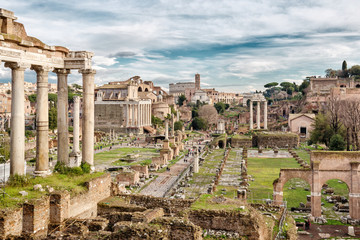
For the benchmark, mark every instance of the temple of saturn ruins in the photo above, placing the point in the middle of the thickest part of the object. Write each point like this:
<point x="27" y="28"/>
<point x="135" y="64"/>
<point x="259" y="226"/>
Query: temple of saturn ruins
<point x="20" y="52"/>
<point x="258" y="97"/>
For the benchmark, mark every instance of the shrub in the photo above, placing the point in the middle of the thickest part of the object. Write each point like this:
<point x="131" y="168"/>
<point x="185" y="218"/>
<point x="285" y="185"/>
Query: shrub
<point x="19" y="180"/>
<point x="337" y="143"/>
<point x="63" y="169"/>
<point x="86" y="168"/>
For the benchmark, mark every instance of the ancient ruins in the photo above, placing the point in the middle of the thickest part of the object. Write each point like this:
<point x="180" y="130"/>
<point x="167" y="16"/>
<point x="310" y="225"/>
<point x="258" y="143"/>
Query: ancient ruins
<point x="20" y="52"/>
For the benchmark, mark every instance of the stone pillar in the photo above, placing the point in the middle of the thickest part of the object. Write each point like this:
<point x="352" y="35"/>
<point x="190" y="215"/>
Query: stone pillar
<point x="62" y="116"/>
<point x="133" y="115"/>
<point x="196" y="163"/>
<point x="172" y="125"/>
<point x="88" y="117"/>
<point x="316" y="191"/>
<point x="251" y="115"/>
<point x="265" y="115"/>
<point x="76" y="128"/>
<point x="177" y="115"/>
<point x="17" y="136"/>
<point x="127" y="115"/>
<point x="166" y="129"/>
<point x="138" y="115"/>
<point x="354" y="193"/>
<point x="258" y="115"/>
<point x="42" y="121"/>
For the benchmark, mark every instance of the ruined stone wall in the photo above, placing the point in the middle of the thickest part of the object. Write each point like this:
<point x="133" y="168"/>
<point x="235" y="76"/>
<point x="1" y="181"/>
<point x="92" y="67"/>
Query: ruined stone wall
<point x="11" y="222"/>
<point x="275" y="139"/>
<point x="36" y="216"/>
<point x="249" y="224"/>
<point x="237" y="142"/>
<point x="169" y="205"/>
<point x="85" y="205"/>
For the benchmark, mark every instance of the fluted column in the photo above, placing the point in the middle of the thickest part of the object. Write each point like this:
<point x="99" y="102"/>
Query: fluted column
<point x="127" y="115"/>
<point x="17" y="136"/>
<point x="265" y="115"/>
<point x="62" y="116"/>
<point x="76" y="127"/>
<point x="42" y="121"/>
<point x="88" y="117"/>
<point x="172" y="125"/>
<point x="251" y="115"/>
<point x="258" y="115"/>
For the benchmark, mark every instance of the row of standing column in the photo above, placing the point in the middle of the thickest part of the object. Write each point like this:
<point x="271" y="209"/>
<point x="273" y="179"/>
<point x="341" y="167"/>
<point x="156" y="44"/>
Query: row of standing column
<point x="257" y="115"/>
<point x="17" y="136"/>
<point x="138" y="115"/>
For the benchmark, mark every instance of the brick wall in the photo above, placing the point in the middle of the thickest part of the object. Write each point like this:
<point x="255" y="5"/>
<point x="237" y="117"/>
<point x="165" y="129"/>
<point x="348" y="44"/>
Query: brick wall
<point x="11" y="222"/>
<point x="85" y="205"/>
<point x="36" y="216"/>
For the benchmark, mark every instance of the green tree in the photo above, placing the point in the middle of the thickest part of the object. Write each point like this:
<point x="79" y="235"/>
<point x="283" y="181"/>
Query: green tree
<point x="330" y="73"/>
<point x="181" y="99"/>
<point x="355" y="70"/>
<point x="53" y="118"/>
<point x="322" y="131"/>
<point x="199" y="124"/>
<point x="305" y="84"/>
<point x="344" y="66"/>
<point x="178" y="125"/>
<point x="337" y="143"/>
<point x="270" y="85"/>
<point x="220" y="107"/>
<point x="52" y="97"/>
<point x="32" y="98"/>
<point x="155" y="121"/>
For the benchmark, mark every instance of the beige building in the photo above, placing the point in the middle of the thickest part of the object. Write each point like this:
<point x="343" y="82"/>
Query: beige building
<point x="301" y="124"/>
<point x="120" y="107"/>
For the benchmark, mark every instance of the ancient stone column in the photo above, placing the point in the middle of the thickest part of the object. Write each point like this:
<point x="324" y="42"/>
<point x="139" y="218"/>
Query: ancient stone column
<point x="354" y="193"/>
<point x="17" y="136"/>
<point x="88" y="117"/>
<point x="42" y="121"/>
<point x="258" y="115"/>
<point x="166" y="129"/>
<point x="172" y="125"/>
<point x="62" y="116"/>
<point x="265" y="115"/>
<point x="316" y="191"/>
<point x="196" y="163"/>
<point x="76" y="127"/>
<point x="177" y="115"/>
<point x="251" y="115"/>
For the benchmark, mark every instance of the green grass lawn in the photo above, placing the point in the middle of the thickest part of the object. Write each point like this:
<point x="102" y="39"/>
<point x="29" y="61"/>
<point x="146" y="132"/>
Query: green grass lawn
<point x="115" y="154"/>
<point x="73" y="184"/>
<point x="304" y="155"/>
<point x="265" y="171"/>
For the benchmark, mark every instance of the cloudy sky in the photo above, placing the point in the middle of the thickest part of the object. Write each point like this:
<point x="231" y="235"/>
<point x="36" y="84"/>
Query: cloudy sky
<point x="236" y="45"/>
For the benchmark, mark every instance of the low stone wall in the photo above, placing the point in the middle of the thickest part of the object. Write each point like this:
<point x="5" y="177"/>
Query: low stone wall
<point x="241" y="142"/>
<point x="275" y="140"/>
<point x="36" y="215"/>
<point x="169" y="205"/>
<point x="85" y="205"/>
<point x="249" y="223"/>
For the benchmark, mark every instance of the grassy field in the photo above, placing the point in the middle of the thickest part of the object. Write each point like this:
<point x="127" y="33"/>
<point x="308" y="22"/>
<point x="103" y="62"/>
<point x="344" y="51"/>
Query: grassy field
<point x="73" y="184"/>
<point x="304" y="155"/>
<point x="107" y="157"/>
<point x="265" y="171"/>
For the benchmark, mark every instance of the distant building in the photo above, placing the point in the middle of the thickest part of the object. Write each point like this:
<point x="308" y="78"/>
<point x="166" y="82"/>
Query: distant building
<point x="302" y="124"/>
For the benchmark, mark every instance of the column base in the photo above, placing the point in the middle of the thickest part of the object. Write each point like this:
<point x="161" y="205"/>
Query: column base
<point x="42" y="173"/>
<point x="74" y="159"/>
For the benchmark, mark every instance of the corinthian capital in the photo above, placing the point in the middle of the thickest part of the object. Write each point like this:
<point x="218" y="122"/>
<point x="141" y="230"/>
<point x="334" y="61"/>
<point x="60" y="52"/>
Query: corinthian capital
<point x="17" y="66"/>
<point x="87" y="71"/>
<point x="41" y="69"/>
<point x="61" y="71"/>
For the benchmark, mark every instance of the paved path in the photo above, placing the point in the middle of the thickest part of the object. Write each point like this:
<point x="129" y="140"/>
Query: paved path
<point x="231" y="174"/>
<point x="165" y="180"/>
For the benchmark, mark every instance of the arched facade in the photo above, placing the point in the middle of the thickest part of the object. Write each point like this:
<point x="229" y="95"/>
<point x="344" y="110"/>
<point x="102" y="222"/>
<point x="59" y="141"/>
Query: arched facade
<point x="325" y="166"/>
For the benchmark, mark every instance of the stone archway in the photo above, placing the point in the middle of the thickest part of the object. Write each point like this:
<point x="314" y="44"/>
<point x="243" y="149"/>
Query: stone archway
<point x="139" y="89"/>
<point x="325" y="166"/>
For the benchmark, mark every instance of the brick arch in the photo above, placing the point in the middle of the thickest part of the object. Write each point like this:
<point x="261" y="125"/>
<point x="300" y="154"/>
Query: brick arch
<point x="327" y="177"/>
<point x="326" y="165"/>
<point x="284" y="176"/>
